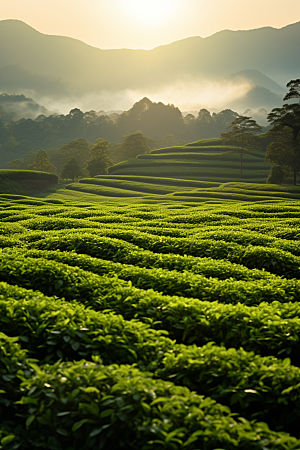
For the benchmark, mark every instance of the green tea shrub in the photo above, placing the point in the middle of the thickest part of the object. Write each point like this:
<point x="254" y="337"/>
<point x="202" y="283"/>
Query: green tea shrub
<point x="185" y="284"/>
<point x="194" y="321"/>
<point x="121" y="407"/>
<point x="265" y="389"/>
<point x="15" y="367"/>
<point x="49" y="328"/>
<point x="155" y="263"/>
<point x="56" y="278"/>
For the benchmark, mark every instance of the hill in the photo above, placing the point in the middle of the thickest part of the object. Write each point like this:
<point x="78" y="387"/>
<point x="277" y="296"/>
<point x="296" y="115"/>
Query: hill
<point x="207" y="160"/>
<point x="20" y="106"/>
<point x="66" y="66"/>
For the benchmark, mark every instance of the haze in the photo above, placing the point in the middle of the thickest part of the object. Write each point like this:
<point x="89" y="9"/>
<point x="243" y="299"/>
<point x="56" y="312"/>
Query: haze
<point x="144" y="24"/>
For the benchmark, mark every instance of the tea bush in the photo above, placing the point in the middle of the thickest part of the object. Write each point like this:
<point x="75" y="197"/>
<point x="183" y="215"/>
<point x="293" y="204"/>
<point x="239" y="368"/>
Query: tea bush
<point x="126" y="322"/>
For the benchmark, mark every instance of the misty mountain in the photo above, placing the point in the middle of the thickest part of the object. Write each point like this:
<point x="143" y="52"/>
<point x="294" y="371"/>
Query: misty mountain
<point x="257" y="97"/>
<point x="63" y="67"/>
<point x="22" y="107"/>
<point x="15" y="79"/>
<point x="256" y="78"/>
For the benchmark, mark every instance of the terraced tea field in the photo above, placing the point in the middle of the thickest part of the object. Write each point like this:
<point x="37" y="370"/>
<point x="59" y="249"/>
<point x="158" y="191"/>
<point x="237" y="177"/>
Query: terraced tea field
<point x="208" y="160"/>
<point x="159" y="189"/>
<point x="132" y="325"/>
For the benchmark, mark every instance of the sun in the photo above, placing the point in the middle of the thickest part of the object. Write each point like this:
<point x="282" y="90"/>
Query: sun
<point x="151" y="12"/>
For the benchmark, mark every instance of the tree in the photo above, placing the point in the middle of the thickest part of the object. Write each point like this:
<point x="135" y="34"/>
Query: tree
<point x="78" y="149"/>
<point x="278" y="175"/>
<point x="71" y="170"/>
<point x="99" y="161"/>
<point x="169" y="140"/>
<point x="42" y="163"/>
<point x="6" y="116"/>
<point x="134" y="144"/>
<point x="284" y="152"/>
<point x="283" y="119"/>
<point x="17" y="164"/>
<point x="153" y="119"/>
<point x="56" y="158"/>
<point x="241" y="135"/>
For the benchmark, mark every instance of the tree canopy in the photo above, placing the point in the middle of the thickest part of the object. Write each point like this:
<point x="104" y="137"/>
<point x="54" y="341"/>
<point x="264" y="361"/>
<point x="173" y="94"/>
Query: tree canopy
<point x="41" y="162"/>
<point x="134" y="144"/>
<point x="285" y="151"/>
<point x="71" y="170"/>
<point x="155" y="120"/>
<point x="100" y="160"/>
<point x="241" y="134"/>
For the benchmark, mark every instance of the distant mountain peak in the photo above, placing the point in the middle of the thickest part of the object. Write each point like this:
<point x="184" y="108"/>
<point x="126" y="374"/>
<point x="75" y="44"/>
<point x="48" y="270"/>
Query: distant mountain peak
<point x="66" y="67"/>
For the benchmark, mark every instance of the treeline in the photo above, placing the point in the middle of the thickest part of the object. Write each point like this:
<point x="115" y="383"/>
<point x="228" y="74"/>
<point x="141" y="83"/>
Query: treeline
<point x="82" y="158"/>
<point x="155" y="120"/>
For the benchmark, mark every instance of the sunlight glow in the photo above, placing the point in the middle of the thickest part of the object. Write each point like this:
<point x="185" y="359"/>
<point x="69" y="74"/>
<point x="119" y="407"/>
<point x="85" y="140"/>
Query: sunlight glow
<point x="151" y="11"/>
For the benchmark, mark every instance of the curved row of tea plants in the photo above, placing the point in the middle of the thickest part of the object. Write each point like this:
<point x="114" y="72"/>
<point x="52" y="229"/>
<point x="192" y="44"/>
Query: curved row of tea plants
<point x="146" y="326"/>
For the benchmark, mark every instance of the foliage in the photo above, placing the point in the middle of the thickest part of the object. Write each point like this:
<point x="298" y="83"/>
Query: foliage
<point x="71" y="170"/>
<point x="17" y="164"/>
<point x="41" y="162"/>
<point x="278" y="174"/>
<point x="99" y="161"/>
<point x="174" y="306"/>
<point x="286" y="152"/>
<point x="18" y="137"/>
<point x="241" y="134"/>
<point x="127" y="408"/>
<point x="134" y="144"/>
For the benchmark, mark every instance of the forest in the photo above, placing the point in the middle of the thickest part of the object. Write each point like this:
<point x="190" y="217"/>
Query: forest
<point x="154" y="120"/>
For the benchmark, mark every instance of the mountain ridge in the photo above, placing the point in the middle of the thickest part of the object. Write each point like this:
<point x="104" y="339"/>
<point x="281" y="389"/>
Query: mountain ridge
<point x="77" y="68"/>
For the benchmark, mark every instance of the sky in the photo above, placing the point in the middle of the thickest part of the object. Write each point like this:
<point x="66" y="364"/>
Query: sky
<point x="147" y="23"/>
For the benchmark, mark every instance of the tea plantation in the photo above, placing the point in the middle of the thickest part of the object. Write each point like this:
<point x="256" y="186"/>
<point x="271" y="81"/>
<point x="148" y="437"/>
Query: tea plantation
<point x="133" y="325"/>
<point x="207" y="160"/>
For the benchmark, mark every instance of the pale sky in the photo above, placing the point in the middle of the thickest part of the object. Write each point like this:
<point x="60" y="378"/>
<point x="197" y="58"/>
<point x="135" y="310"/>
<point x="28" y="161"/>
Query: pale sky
<point x="147" y="23"/>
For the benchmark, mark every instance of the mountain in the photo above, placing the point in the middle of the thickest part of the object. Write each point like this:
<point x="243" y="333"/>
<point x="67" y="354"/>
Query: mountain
<point x="257" y="97"/>
<point x="22" y="107"/>
<point x="256" y="78"/>
<point x="16" y="79"/>
<point x="57" y="66"/>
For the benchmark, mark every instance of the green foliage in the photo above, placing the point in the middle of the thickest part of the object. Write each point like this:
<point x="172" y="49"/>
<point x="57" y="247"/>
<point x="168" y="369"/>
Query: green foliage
<point x="17" y="164"/>
<point x="286" y="149"/>
<point x="185" y="319"/>
<point x="278" y="175"/>
<point x="29" y="175"/>
<point x="25" y="181"/>
<point x="99" y="158"/>
<point x="199" y="302"/>
<point x="134" y="144"/>
<point x="71" y="170"/>
<point x="241" y="134"/>
<point x="275" y="260"/>
<point x="94" y="188"/>
<point x="126" y="408"/>
<point x="41" y="162"/>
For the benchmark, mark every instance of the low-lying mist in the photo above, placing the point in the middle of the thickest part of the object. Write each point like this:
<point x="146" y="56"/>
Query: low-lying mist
<point x="187" y="94"/>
